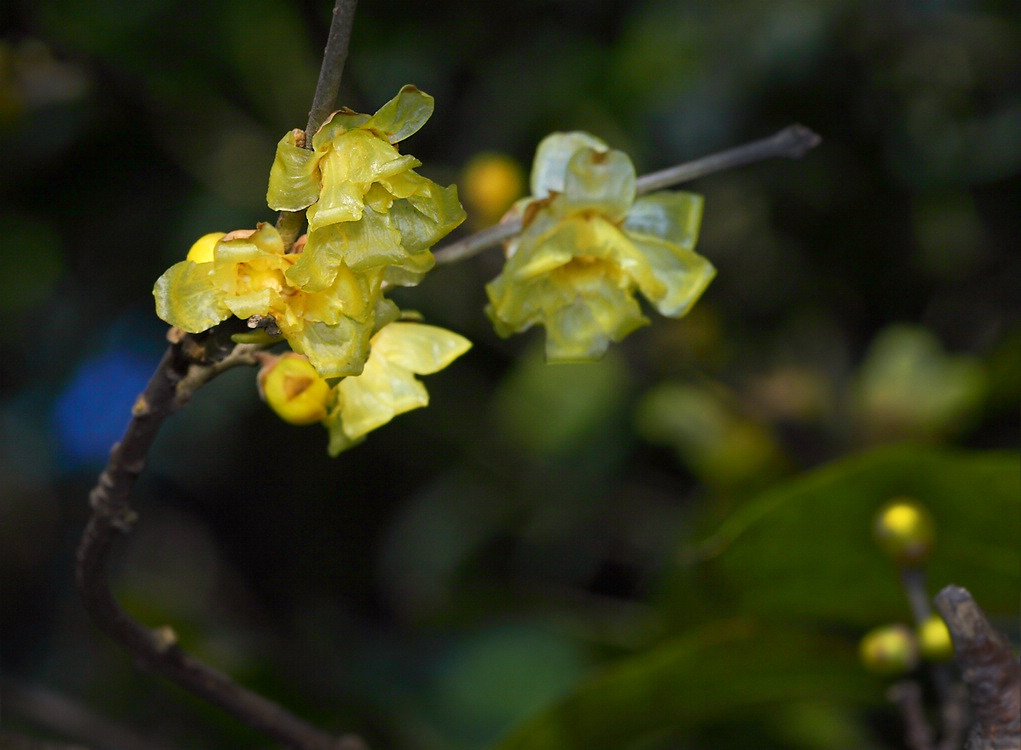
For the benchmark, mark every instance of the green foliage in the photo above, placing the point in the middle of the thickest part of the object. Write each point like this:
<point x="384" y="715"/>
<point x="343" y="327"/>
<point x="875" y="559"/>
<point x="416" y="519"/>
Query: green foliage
<point x="804" y="550"/>
<point x="726" y="669"/>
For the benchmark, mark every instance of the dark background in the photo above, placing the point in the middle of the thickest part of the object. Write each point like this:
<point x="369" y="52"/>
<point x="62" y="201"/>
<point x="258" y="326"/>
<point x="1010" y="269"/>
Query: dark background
<point x="473" y="560"/>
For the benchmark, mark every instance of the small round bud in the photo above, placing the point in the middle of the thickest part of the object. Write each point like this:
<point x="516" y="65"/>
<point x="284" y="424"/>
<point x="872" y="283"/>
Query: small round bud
<point x="294" y="390"/>
<point x="202" y="250"/>
<point x="889" y="650"/>
<point x="905" y="531"/>
<point x="934" y="640"/>
<point x="491" y="182"/>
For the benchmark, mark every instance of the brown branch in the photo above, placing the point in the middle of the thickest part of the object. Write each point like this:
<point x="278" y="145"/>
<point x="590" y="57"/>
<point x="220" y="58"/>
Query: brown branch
<point x="324" y="101"/>
<point x="792" y="142"/>
<point x="66" y="717"/>
<point x="188" y="363"/>
<point x="988" y="667"/>
<point x="907" y="696"/>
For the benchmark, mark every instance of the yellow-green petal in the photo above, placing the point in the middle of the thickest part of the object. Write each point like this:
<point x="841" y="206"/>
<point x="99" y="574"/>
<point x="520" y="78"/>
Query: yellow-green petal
<point x="551" y="158"/>
<point x="336" y="124"/>
<point x="403" y="115"/>
<point x="600" y="181"/>
<point x="671" y="216"/>
<point x="294" y="177"/>
<point x="334" y="350"/>
<point x="682" y="275"/>
<point x="419" y="348"/>
<point x="187" y="296"/>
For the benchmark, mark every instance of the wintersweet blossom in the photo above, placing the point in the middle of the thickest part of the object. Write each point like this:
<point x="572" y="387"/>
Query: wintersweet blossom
<point x="366" y="206"/>
<point x="588" y="244"/>
<point x="246" y="275"/>
<point x="387" y="385"/>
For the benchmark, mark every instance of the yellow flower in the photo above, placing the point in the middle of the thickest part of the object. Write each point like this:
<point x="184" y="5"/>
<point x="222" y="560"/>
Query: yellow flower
<point x="247" y="276"/>
<point x="367" y="208"/>
<point x="588" y="245"/>
<point x="387" y="385"/>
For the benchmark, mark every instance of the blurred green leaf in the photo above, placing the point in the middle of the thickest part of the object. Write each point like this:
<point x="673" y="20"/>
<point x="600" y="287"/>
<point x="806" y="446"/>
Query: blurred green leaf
<point x="726" y="669"/>
<point x="556" y="407"/>
<point x="804" y="549"/>
<point x="909" y="387"/>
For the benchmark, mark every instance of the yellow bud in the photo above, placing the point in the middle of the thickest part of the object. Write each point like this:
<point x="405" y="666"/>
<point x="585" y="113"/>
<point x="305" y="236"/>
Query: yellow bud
<point x="491" y="183"/>
<point x="202" y="250"/>
<point x="889" y="650"/>
<point x="294" y="390"/>
<point x="934" y="639"/>
<point x="905" y="531"/>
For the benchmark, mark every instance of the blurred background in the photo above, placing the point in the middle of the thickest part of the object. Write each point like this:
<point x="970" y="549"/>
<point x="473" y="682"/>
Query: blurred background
<point x="538" y="534"/>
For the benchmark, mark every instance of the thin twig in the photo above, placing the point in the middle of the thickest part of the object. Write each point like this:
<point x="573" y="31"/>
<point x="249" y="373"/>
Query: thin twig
<point x="907" y="695"/>
<point x="324" y="101"/>
<point x="69" y="718"/>
<point x="334" y="56"/>
<point x="792" y="142"/>
<point x="180" y="372"/>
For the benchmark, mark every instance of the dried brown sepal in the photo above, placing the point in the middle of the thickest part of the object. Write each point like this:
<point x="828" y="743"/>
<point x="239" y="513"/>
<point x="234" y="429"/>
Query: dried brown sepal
<point x="988" y="667"/>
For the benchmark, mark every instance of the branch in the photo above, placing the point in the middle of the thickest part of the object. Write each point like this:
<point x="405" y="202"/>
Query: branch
<point x="188" y="363"/>
<point x="792" y="142"/>
<point x="989" y="669"/>
<point x="324" y="101"/>
<point x="58" y="713"/>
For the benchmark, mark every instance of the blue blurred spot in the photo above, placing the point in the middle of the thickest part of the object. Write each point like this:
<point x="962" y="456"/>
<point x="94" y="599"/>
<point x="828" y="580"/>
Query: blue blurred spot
<point x="95" y="408"/>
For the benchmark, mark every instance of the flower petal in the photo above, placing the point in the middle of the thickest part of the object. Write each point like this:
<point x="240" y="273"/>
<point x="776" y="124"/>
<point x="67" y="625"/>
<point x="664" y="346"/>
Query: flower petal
<point x="188" y="296"/>
<point x="600" y="181"/>
<point x="334" y="350"/>
<point x="419" y="348"/>
<point x="294" y="176"/>
<point x="682" y="275"/>
<point x="671" y="216"/>
<point x="551" y="158"/>
<point x="403" y="115"/>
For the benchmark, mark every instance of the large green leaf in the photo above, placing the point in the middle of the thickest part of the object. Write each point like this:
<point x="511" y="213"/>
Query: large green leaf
<point x="725" y="670"/>
<point x="804" y="549"/>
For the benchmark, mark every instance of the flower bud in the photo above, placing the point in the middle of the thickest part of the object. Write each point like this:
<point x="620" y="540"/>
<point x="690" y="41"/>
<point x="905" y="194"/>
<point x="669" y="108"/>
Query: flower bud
<point x="934" y="640"/>
<point x="905" y="530"/>
<point x="202" y="250"/>
<point x="294" y="390"/>
<point x="889" y="650"/>
<point x="491" y="182"/>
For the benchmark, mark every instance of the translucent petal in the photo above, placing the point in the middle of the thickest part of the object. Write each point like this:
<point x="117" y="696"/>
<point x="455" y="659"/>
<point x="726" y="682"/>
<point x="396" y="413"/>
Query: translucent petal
<point x="551" y="158"/>
<point x="419" y="348"/>
<point x="427" y="216"/>
<point x="340" y="199"/>
<point x="671" y="216"/>
<point x="293" y="178"/>
<point x="336" y="125"/>
<point x="334" y="350"/>
<point x="403" y="115"/>
<point x="682" y="275"/>
<point x="367" y="399"/>
<point x="600" y="181"/>
<point x="366" y="158"/>
<point x="411" y="271"/>
<point x="247" y="305"/>
<point x="187" y="296"/>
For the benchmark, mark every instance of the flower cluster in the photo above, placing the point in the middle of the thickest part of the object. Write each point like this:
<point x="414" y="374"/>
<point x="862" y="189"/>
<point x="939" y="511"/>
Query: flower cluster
<point x="371" y="223"/>
<point x="588" y="244"/>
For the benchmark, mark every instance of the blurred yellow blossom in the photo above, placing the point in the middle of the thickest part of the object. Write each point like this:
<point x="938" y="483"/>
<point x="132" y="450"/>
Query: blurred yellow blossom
<point x="588" y="245"/>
